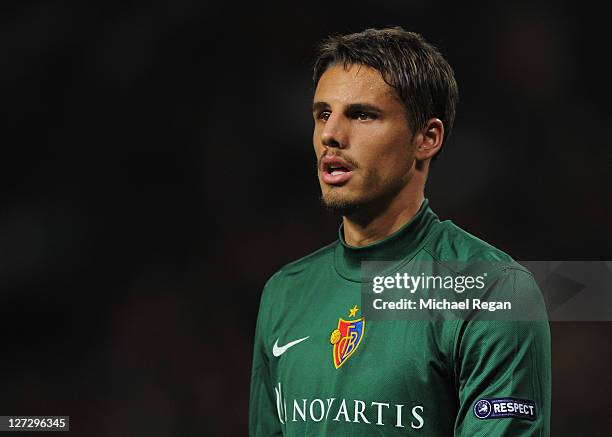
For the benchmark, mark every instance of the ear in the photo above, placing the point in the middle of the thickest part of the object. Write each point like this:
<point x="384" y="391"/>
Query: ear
<point x="429" y="140"/>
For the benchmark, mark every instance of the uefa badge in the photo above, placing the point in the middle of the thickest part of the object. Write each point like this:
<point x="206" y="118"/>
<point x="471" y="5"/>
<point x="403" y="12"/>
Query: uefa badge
<point x="347" y="337"/>
<point x="482" y="409"/>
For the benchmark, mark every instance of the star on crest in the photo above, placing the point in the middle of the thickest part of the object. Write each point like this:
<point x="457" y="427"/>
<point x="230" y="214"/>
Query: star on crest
<point x="353" y="311"/>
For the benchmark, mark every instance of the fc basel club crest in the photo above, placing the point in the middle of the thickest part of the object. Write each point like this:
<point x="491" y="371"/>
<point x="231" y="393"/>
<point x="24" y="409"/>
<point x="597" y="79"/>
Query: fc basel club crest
<point x="347" y="337"/>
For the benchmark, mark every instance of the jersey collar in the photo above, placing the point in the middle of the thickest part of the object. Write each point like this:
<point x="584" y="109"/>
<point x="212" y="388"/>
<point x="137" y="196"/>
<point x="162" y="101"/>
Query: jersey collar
<point x="397" y="247"/>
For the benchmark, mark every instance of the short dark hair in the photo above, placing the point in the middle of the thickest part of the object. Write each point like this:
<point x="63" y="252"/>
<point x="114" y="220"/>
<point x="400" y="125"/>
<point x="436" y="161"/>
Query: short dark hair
<point x="421" y="77"/>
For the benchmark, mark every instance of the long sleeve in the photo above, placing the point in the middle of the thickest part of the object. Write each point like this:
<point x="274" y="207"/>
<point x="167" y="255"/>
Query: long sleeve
<point x="503" y="369"/>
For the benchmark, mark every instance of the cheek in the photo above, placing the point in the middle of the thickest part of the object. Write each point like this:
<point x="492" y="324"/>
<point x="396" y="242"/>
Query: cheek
<point x="389" y="151"/>
<point x="389" y="160"/>
<point x="399" y="149"/>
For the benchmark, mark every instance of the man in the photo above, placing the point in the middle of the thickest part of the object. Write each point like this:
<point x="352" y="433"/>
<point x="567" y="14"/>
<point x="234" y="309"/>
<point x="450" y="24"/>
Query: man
<point x="383" y="105"/>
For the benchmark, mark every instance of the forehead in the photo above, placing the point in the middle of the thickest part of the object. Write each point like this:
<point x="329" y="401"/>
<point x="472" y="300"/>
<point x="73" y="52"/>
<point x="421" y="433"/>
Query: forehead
<point x="357" y="83"/>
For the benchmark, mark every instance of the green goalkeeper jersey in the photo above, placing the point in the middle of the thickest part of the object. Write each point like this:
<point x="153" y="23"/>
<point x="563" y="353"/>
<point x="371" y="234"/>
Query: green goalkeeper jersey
<point x="320" y="368"/>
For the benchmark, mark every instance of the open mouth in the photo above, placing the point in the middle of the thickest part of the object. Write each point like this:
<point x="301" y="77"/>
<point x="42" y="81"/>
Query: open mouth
<point x="335" y="172"/>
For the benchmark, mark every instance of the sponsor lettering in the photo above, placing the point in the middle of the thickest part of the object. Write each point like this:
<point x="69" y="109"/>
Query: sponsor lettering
<point x="348" y="410"/>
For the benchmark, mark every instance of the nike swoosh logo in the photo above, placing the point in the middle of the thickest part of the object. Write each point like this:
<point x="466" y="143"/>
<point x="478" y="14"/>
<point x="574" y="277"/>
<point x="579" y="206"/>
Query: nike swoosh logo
<point x="277" y="350"/>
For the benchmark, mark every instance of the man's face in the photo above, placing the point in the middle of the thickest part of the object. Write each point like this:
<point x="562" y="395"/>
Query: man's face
<point x="361" y="137"/>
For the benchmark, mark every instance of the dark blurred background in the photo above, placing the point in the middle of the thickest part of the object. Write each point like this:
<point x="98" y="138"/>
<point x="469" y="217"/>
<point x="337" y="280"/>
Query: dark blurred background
<point x="157" y="168"/>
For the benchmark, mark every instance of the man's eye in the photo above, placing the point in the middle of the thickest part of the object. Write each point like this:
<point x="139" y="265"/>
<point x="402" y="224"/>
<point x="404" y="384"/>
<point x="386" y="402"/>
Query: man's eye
<point x="324" y="115"/>
<point x="363" y="116"/>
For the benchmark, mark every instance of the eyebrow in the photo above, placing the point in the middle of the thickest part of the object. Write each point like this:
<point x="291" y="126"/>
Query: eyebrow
<point x="353" y="107"/>
<point x="319" y="106"/>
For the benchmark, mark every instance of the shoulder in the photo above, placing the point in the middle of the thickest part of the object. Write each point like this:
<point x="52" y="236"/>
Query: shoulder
<point x="312" y="260"/>
<point x="464" y="253"/>
<point x="288" y="282"/>
<point x="316" y="260"/>
<point x="452" y="243"/>
<point x="506" y="279"/>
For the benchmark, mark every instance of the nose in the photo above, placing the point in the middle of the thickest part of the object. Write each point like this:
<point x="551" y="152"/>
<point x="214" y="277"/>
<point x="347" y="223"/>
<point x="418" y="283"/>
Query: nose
<point x="334" y="133"/>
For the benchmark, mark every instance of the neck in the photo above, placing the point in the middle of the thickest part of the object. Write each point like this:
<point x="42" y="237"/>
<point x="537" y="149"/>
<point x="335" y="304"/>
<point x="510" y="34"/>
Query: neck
<point x="360" y="231"/>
